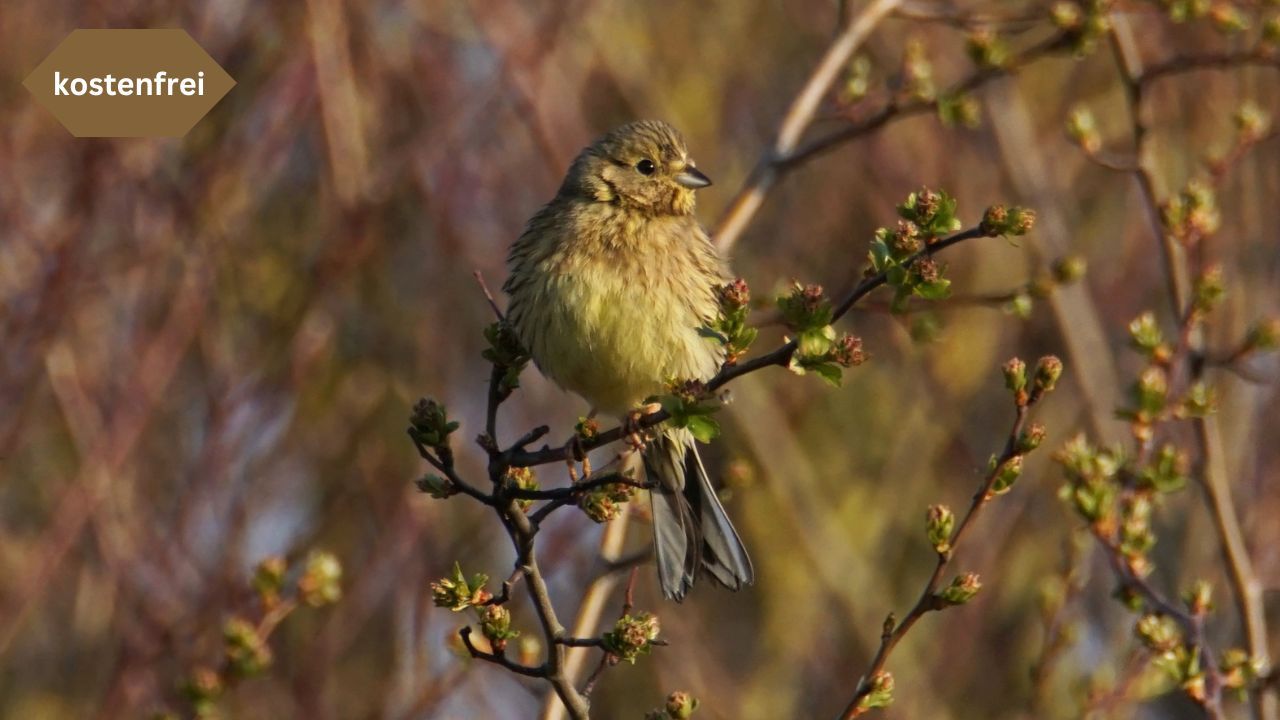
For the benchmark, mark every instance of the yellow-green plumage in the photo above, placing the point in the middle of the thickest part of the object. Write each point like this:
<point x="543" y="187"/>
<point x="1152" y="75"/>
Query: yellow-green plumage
<point x="610" y="284"/>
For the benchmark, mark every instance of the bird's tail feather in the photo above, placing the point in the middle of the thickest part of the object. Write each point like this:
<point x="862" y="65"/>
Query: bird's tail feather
<point x="690" y="527"/>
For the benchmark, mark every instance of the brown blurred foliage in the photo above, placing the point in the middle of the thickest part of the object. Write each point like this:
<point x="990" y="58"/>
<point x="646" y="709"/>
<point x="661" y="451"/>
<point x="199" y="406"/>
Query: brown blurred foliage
<point x="210" y="346"/>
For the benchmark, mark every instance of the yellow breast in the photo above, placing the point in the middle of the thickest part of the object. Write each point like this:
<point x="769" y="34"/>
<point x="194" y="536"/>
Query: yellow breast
<point x="613" y="321"/>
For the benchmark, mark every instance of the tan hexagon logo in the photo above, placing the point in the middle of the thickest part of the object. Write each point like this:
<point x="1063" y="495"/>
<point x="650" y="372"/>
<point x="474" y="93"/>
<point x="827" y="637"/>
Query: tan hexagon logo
<point x="128" y="83"/>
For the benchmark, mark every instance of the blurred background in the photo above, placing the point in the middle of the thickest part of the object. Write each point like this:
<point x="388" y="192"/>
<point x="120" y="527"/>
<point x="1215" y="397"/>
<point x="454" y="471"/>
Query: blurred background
<point x="210" y="346"/>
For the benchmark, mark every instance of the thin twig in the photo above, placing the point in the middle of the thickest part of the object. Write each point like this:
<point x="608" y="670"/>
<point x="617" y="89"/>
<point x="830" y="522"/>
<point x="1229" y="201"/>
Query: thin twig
<point x="929" y="599"/>
<point x="953" y="17"/>
<point x="450" y="473"/>
<point x="900" y="110"/>
<point x="488" y="296"/>
<point x="499" y="658"/>
<point x="1215" y="61"/>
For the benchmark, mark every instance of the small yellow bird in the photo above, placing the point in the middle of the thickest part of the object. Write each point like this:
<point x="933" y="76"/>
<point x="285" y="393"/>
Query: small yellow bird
<point x="610" y="285"/>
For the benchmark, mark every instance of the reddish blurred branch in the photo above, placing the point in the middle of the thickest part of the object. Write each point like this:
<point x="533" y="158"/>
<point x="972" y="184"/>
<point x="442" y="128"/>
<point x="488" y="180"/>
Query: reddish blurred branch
<point x="797" y="119"/>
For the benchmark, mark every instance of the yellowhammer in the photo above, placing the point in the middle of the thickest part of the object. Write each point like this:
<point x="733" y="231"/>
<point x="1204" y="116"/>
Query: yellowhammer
<point x="610" y="284"/>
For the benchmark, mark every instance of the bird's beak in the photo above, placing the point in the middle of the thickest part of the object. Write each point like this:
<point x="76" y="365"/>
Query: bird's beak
<point x="693" y="178"/>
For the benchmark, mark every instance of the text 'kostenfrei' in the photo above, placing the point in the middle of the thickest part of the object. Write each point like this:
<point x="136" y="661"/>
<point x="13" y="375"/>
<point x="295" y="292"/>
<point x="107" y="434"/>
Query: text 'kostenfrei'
<point x="161" y="85"/>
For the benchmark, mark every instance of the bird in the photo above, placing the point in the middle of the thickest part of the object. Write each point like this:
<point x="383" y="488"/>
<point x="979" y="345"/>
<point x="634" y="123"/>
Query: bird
<point x="611" y="286"/>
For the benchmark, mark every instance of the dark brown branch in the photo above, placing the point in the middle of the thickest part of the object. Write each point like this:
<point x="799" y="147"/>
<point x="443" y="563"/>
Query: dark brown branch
<point x="449" y="472"/>
<point x="499" y="658"/>
<point x="778" y="357"/>
<point x="1215" y="61"/>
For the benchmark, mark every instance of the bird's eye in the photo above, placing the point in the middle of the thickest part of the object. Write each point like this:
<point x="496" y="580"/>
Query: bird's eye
<point x="645" y="167"/>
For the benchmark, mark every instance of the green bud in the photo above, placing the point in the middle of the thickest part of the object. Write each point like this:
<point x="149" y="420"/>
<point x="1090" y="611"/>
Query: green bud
<point x="880" y="693"/>
<point x="999" y="220"/>
<point x="1015" y="375"/>
<point x="524" y="479"/>
<point x="805" y="308"/>
<point x="1158" y="633"/>
<point x="1066" y="15"/>
<point x="1239" y="670"/>
<point x="457" y="594"/>
<point x="1006" y="475"/>
<point x="632" y="636"/>
<point x="587" y="428"/>
<point x="959" y="110"/>
<point x="857" y="80"/>
<point x="917" y="72"/>
<point x="1271" y="31"/>
<point x="1264" y="335"/>
<point x="961" y="590"/>
<point x="202" y="688"/>
<point x="1199" y="401"/>
<point x="986" y="49"/>
<point x="246" y="652"/>
<point x="1146" y="334"/>
<point x="321" y="581"/>
<point x="848" y="351"/>
<point x="506" y="354"/>
<point x="905" y="241"/>
<point x="1020" y="306"/>
<point x="1031" y="438"/>
<point x="1252" y="122"/>
<point x="495" y="625"/>
<point x="993" y="219"/>
<point x="1184" y="10"/>
<point x="734" y="296"/>
<point x="1228" y="18"/>
<point x="430" y="424"/>
<point x="1167" y="471"/>
<point x="268" y="579"/>
<point x="1069" y="269"/>
<point x="605" y="503"/>
<point x="1083" y="130"/>
<point x="1150" y="390"/>
<point x="1209" y="289"/>
<point x="1021" y="221"/>
<point x="933" y="212"/>
<point x="1199" y="598"/>
<point x="681" y="705"/>
<point x="940" y="522"/>
<point x="1048" y="370"/>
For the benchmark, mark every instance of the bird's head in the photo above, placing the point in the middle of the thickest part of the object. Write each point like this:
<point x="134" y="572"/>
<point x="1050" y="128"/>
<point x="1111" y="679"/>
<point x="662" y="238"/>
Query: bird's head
<point x="643" y="166"/>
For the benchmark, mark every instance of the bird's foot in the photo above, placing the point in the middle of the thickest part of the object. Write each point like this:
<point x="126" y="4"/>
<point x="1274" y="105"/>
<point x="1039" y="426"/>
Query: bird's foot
<point x="575" y="454"/>
<point x="632" y="430"/>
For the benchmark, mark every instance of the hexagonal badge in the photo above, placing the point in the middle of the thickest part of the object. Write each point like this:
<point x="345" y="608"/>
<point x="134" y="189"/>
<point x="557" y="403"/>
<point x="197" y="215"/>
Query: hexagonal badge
<point x="128" y="83"/>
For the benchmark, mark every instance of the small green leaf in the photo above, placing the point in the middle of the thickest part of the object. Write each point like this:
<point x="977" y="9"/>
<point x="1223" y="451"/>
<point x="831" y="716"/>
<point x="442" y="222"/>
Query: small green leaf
<point x="828" y="372"/>
<point x="939" y="289"/>
<point x="704" y="428"/>
<point x="816" y="342"/>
